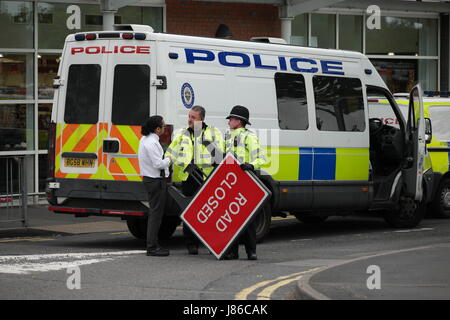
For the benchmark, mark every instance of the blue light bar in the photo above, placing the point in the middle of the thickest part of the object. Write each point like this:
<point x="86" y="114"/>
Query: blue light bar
<point x="140" y="36"/>
<point x="80" y="37"/>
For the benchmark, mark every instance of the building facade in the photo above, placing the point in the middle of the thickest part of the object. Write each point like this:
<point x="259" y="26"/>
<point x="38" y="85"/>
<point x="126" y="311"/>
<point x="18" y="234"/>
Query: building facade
<point x="406" y="40"/>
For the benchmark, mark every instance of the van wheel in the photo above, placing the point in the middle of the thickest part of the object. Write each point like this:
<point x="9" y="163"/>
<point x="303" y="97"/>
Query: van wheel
<point x="408" y="214"/>
<point x="441" y="202"/>
<point x="168" y="226"/>
<point x="138" y="227"/>
<point x="262" y="222"/>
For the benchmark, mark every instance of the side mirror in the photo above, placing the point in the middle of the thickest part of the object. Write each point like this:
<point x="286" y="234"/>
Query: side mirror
<point x="428" y="130"/>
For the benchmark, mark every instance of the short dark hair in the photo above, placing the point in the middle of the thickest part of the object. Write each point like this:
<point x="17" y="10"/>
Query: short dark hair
<point x="151" y="124"/>
<point x="201" y="110"/>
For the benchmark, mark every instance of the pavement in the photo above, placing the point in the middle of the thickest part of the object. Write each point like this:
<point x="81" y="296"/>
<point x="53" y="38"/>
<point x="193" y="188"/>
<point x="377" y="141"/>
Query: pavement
<point x="42" y="222"/>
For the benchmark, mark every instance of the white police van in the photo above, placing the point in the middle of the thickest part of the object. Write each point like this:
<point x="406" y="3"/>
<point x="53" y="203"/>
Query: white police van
<point x="308" y="106"/>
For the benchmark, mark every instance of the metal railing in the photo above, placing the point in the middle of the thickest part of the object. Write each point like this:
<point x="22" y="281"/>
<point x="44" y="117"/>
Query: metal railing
<point x="13" y="190"/>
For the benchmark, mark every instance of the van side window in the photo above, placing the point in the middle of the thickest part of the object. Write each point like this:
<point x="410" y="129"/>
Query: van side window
<point x="291" y="101"/>
<point x="440" y="116"/>
<point x="339" y="104"/>
<point x="131" y="95"/>
<point x="83" y="93"/>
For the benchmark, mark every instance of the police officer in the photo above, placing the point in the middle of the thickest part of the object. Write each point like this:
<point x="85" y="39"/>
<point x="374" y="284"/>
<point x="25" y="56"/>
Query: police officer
<point x="244" y="144"/>
<point x="195" y="151"/>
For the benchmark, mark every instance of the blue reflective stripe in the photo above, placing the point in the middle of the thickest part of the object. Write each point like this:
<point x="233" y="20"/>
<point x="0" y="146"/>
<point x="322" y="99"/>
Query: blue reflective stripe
<point x="306" y="163"/>
<point x="324" y="164"/>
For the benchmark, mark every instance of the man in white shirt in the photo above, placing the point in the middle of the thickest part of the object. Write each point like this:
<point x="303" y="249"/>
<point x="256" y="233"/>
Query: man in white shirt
<point x="154" y="169"/>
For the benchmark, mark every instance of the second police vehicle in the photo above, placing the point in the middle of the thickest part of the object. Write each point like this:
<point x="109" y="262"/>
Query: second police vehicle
<point x="309" y="107"/>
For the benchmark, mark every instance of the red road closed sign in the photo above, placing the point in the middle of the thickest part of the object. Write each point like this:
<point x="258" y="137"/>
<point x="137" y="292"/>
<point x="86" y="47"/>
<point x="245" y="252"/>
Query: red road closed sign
<point x="224" y="205"/>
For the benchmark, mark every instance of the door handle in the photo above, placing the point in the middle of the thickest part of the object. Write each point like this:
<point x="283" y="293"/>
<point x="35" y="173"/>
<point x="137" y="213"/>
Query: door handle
<point x="111" y="146"/>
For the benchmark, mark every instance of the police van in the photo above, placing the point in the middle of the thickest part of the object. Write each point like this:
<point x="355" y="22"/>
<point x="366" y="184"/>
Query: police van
<point x="307" y="105"/>
<point x="437" y="113"/>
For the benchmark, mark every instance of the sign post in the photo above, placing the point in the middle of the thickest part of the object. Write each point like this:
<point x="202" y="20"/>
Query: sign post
<point x="224" y="205"/>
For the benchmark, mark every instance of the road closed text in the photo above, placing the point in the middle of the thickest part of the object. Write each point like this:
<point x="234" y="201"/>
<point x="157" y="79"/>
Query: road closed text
<point x="219" y="194"/>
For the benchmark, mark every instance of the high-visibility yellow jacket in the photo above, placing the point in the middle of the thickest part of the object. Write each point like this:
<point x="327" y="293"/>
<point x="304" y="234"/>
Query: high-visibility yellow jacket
<point x="203" y="148"/>
<point x="244" y="144"/>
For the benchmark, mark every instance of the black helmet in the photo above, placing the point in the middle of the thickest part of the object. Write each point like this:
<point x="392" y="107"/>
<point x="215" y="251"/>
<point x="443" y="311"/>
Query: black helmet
<point x="240" y="112"/>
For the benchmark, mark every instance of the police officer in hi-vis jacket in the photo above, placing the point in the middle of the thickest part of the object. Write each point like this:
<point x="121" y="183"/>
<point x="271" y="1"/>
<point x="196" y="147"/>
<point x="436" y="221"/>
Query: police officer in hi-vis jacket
<point x="245" y="146"/>
<point x="195" y="151"/>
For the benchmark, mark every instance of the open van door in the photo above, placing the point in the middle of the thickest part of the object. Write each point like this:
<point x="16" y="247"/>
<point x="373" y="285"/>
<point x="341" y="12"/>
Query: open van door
<point x="413" y="174"/>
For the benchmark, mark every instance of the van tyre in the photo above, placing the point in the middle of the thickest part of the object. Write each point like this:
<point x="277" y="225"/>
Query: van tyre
<point x="262" y="222"/>
<point x="138" y="227"/>
<point x="408" y="213"/>
<point x="441" y="202"/>
<point x="168" y="226"/>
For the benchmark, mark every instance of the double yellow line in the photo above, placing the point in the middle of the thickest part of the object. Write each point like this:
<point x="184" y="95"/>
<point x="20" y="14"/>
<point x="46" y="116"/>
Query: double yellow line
<point x="30" y="239"/>
<point x="271" y="285"/>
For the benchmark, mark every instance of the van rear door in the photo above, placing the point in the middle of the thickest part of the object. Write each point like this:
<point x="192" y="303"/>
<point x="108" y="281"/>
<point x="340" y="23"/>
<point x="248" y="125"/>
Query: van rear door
<point x="417" y="142"/>
<point x="80" y="101"/>
<point x="128" y="105"/>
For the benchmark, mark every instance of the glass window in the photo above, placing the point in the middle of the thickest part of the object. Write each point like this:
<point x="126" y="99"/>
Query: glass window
<point x="131" y="93"/>
<point x="440" y="118"/>
<point x="44" y="119"/>
<point x="47" y="70"/>
<point x="379" y="107"/>
<point x="65" y="19"/>
<point x="16" y="76"/>
<point x="339" y="104"/>
<point x="10" y="177"/>
<point x="427" y="74"/>
<point x="16" y="23"/>
<point x="404" y="36"/>
<point x="400" y="75"/>
<point x="350" y="32"/>
<point x="57" y="20"/>
<point x="83" y="92"/>
<point x="16" y="127"/>
<point x="299" y="30"/>
<point x="291" y="101"/>
<point x="323" y="31"/>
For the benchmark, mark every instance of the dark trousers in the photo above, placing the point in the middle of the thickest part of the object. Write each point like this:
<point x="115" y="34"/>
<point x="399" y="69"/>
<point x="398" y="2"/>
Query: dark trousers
<point x="188" y="188"/>
<point x="248" y="238"/>
<point x="157" y="193"/>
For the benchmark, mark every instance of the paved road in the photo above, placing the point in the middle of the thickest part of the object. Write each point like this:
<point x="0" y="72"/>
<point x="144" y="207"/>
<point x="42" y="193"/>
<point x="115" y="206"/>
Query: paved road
<point x="330" y="260"/>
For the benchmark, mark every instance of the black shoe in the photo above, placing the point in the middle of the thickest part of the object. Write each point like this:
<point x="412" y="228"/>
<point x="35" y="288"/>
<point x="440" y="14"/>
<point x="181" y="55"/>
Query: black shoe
<point x="157" y="252"/>
<point x="252" y="256"/>
<point x="192" y="249"/>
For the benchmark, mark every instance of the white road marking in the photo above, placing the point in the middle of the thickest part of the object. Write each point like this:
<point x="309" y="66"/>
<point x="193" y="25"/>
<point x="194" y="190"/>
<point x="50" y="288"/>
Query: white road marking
<point x="414" y="230"/>
<point x="26" y="264"/>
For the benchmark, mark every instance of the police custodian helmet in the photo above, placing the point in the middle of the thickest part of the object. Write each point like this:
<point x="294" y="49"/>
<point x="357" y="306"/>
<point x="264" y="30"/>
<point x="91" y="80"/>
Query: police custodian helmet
<point x="240" y="112"/>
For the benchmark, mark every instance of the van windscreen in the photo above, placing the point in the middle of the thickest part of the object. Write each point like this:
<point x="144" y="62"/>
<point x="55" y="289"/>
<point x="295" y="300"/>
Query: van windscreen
<point x="131" y="95"/>
<point x="83" y="92"/>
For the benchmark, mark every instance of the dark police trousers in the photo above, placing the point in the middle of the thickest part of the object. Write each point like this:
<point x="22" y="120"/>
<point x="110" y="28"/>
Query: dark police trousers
<point x="157" y="194"/>
<point x="247" y="237"/>
<point x="188" y="188"/>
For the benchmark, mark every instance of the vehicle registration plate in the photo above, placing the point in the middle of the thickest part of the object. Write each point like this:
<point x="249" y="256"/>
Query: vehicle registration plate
<point x="79" y="163"/>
